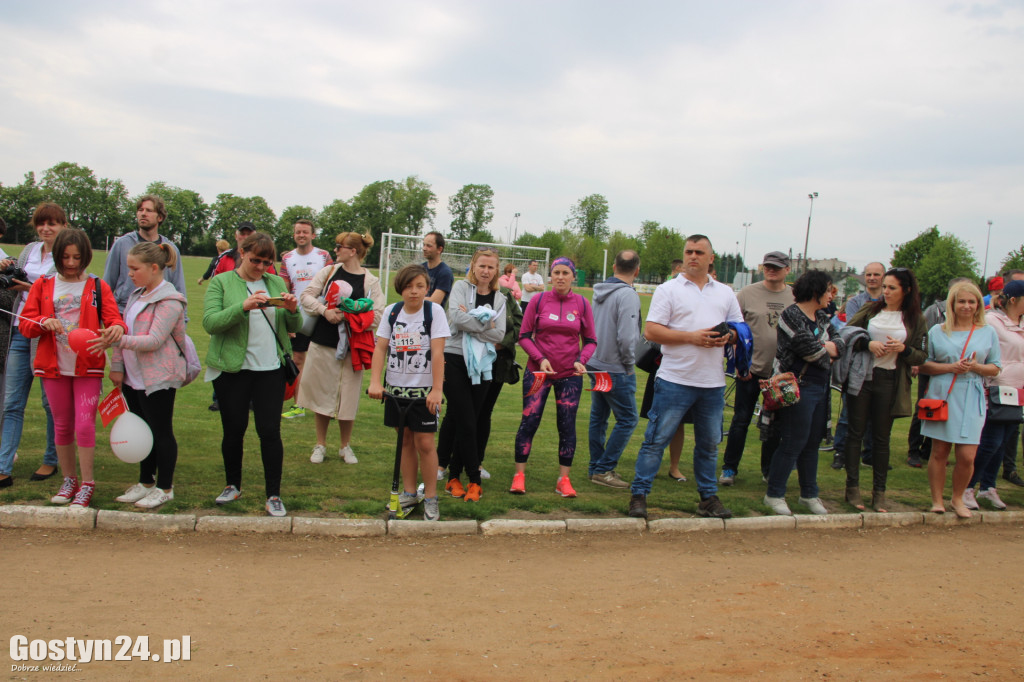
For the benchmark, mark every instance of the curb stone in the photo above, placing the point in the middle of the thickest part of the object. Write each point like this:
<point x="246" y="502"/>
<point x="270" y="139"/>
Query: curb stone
<point x="521" y="527"/>
<point x="761" y="523"/>
<point x="342" y="528"/>
<point x="406" y="529"/>
<point x="685" y="525"/>
<point x="165" y="523"/>
<point x="950" y="519"/>
<point x="244" y="524"/>
<point x="805" y="521"/>
<point x="1002" y="517"/>
<point x="68" y="518"/>
<point x="605" y="525"/>
<point x="893" y="520"/>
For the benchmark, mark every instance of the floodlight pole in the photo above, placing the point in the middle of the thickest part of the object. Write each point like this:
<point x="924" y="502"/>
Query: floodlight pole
<point x="812" y="196"/>
<point x="984" y="268"/>
<point x="746" y="229"/>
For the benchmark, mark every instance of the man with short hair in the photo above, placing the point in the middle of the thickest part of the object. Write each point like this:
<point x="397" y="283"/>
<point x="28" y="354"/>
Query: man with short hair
<point x="617" y="328"/>
<point x="762" y="303"/>
<point x="687" y="317"/>
<point x="441" y="277"/>
<point x="874" y="273"/>
<point x="533" y="282"/>
<point x="150" y="213"/>
<point x="298" y="267"/>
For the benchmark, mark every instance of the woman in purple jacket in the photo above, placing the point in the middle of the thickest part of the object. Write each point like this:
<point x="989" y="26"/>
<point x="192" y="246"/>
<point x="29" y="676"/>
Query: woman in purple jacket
<point x="558" y="336"/>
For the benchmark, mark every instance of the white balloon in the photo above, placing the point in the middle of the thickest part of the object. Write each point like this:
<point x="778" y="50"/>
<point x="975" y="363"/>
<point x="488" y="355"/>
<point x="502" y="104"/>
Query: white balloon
<point x="131" y="438"/>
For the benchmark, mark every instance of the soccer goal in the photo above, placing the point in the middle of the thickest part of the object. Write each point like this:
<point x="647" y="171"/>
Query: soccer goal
<point x="398" y="250"/>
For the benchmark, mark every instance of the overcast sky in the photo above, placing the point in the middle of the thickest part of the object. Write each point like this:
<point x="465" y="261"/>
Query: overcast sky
<point x="701" y="115"/>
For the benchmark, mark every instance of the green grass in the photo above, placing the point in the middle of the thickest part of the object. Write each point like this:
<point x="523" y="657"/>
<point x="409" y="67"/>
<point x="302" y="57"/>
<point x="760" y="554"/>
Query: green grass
<point x="336" y="489"/>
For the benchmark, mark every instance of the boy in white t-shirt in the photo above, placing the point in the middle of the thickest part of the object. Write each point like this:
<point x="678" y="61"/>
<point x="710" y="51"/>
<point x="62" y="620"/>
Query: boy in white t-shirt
<point x="415" y="369"/>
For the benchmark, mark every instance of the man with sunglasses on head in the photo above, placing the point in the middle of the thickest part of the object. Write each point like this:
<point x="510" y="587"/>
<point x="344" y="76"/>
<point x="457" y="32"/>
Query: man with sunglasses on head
<point x="441" y="277"/>
<point x="150" y="214"/>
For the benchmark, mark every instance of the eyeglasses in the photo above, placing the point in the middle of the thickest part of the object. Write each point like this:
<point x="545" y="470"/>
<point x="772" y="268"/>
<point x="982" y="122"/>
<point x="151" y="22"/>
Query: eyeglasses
<point x="343" y="246"/>
<point x="261" y="261"/>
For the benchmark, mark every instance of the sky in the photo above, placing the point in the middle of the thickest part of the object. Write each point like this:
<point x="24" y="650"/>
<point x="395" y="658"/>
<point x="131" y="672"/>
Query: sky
<point x="700" y="115"/>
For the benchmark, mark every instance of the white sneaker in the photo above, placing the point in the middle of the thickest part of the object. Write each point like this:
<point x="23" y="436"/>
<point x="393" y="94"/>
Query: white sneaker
<point x="485" y="474"/>
<point x="135" y="493"/>
<point x="318" y="454"/>
<point x="969" y="500"/>
<point x="993" y="498"/>
<point x="440" y="473"/>
<point x="346" y="454"/>
<point x="275" y="507"/>
<point x="777" y="505"/>
<point x="155" y="498"/>
<point x="814" y="505"/>
<point x="230" y="494"/>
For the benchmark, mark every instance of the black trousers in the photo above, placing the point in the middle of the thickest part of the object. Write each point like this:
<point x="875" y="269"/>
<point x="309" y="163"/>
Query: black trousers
<point x="466" y="412"/>
<point x="157" y="410"/>
<point x="265" y="390"/>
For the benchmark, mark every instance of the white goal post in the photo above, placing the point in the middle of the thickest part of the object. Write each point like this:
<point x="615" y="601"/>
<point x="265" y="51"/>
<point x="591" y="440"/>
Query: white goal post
<point x="399" y="250"/>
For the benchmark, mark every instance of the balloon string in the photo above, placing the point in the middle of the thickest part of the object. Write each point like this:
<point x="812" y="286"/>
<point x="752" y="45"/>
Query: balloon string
<point x="21" y="317"/>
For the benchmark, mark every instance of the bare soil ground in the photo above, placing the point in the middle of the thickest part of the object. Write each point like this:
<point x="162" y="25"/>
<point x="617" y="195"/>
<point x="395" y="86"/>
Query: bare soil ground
<point x="890" y="604"/>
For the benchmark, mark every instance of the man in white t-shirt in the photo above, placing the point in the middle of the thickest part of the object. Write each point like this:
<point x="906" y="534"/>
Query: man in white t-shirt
<point x="533" y="282"/>
<point x="686" y="317"/>
<point x="298" y="267"/>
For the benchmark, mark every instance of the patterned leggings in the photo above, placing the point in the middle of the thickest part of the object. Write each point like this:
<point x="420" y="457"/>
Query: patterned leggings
<point x="567" y="401"/>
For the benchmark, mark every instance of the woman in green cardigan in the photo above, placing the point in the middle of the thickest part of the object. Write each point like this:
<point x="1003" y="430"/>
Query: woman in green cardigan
<point x="898" y="342"/>
<point x="248" y="314"/>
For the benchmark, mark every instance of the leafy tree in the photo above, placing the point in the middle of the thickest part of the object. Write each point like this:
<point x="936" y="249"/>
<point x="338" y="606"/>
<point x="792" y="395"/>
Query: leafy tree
<point x="526" y="239"/>
<point x="589" y="216"/>
<point x="285" y="225"/>
<point x="620" y="241"/>
<point x="375" y="210"/>
<point x="851" y="287"/>
<point x="17" y="204"/>
<point x="188" y="217"/>
<point x="648" y="228"/>
<point x="910" y="254"/>
<point x="335" y="218"/>
<point x="415" y="202"/>
<point x="948" y="257"/>
<point x="99" y="206"/>
<point x="472" y="209"/>
<point x="229" y="210"/>
<point x="663" y="245"/>
<point x="552" y="241"/>
<point x="482" y="236"/>
<point x="1013" y="261"/>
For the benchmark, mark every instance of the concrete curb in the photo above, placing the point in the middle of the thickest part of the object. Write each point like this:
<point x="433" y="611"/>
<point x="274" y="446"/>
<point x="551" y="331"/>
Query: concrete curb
<point x="147" y="523"/>
<point x="1002" y="517"/>
<point x="894" y="520"/>
<point x="605" y="525"/>
<point x="66" y="518"/>
<point x="761" y="523"/>
<point x="341" y="528"/>
<point x="824" y="521"/>
<point x="244" y="524"/>
<point x="685" y="525"/>
<point x="950" y="519"/>
<point x="520" y="527"/>
<point x="408" y="529"/>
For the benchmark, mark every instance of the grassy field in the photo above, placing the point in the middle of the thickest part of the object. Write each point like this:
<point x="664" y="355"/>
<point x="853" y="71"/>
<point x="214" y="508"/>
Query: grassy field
<point x="334" y="488"/>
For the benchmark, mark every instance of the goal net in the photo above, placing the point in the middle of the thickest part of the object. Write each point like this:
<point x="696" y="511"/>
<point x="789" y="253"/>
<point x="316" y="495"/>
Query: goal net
<point x="399" y="250"/>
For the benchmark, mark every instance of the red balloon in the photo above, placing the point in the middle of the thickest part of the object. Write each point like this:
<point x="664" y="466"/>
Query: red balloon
<point x="78" y="338"/>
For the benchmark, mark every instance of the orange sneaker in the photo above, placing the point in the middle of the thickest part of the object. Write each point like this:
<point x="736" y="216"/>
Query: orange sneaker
<point x="473" y="491"/>
<point x="518" y="483"/>
<point x="454" y="488"/>
<point x="564" y="487"/>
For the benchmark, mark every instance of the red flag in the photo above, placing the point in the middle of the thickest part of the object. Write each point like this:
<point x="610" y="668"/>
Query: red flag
<point x="112" y="406"/>
<point x="602" y="382"/>
<point x="538" y="383"/>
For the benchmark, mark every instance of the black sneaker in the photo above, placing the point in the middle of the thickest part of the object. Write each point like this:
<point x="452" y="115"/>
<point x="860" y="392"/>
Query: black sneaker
<point x="837" y="461"/>
<point x="1014" y="478"/>
<point x="214" y="406"/>
<point x="914" y="461"/>
<point x="712" y="507"/>
<point x="638" y="506"/>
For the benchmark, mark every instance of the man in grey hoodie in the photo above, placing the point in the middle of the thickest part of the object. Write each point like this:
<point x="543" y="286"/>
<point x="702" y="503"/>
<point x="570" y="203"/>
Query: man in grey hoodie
<point x="617" y="321"/>
<point x="150" y="214"/>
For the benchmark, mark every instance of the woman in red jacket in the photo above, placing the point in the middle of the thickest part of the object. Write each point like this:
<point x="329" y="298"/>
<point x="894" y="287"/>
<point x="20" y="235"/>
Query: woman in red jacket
<point x="56" y="306"/>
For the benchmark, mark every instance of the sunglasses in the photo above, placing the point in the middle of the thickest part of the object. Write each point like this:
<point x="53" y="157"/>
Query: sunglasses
<point x="261" y="261"/>
<point x="892" y="270"/>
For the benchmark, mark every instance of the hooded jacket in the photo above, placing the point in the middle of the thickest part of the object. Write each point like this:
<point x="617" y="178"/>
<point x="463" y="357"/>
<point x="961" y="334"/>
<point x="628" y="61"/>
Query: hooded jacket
<point x="158" y="339"/>
<point x="116" y="271"/>
<point x="617" y="323"/>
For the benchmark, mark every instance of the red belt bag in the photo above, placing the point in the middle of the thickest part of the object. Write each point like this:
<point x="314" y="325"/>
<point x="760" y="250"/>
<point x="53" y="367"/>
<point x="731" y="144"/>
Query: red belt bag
<point x="937" y="409"/>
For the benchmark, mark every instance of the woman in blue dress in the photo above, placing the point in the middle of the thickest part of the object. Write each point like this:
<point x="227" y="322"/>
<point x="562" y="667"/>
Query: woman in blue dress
<point x="961" y="351"/>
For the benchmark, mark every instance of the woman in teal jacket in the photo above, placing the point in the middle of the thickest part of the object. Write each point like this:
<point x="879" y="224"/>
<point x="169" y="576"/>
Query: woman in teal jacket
<point x="248" y="314"/>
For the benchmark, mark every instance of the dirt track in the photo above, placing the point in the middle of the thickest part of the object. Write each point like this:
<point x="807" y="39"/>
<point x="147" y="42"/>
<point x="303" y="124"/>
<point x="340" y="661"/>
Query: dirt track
<point x="909" y="604"/>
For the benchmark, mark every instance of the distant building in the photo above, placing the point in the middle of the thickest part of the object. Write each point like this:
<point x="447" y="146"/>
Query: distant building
<point x="827" y="264"/>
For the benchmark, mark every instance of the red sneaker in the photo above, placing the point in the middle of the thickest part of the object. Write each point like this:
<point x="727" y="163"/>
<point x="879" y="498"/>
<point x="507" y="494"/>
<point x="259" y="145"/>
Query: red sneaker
<point x="454" y="488"/>
<point x="518" y="483"/>
<point x="67" y="491"/>
<point x="84" y="495"/>
<point x="564" y="487"/>
<point x="473" y="491"/>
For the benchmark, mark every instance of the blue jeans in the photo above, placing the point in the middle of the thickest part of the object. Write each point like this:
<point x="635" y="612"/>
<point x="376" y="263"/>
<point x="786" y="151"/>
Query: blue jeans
<point x="994" y="439"/>
<point x="620" y="401"/>
<point x="17" y="383"/>
<point x="801" y="428"/>
<point x="671" y="402"/>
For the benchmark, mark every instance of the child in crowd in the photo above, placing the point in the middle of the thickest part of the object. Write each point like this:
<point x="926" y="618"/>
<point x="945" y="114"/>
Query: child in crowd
<point x="149" y="366"/>
<point x="410" y="343"/>
<point x="57" y="305"/>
